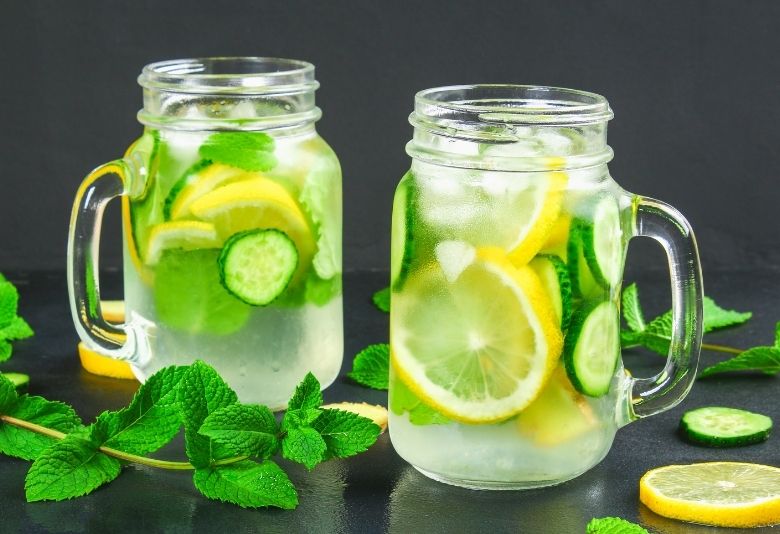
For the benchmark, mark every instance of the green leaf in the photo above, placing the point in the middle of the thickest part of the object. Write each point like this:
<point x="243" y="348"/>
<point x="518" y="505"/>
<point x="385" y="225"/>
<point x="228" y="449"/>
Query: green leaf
<point x="372" y="366"/>
<point x="8" y="395"/>
<point x="26" y="444"/>
<point x="9" y="301"/>
<point x="345" y="433"/>
<point x="3" y="278"/>
<point x="5" y="350"/>
<point x="762" y="359"/>
<point x="251" y="151"/>
<point x="658" y="333"/>
<point x="200" y="393"/>
<point x="777" y="335"/>
<point x="381" y="299"/>
<point x="248" y="484"/>
<point x="303" y="417"/>
<point x="307" y="394"/>
<point x="151" y="420"/>
<point x="248" y="430"/>
<point x="70" y="468"/>
<point x="613" y="525"/>
<point x="632" y="310"/>
<point x="716" y="317"/>
<point x="305" y="446"/>
<point x="403" y="400"/>
<point x="16" y="329"/>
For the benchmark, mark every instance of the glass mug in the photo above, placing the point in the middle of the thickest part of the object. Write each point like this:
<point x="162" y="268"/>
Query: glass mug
<point x="231" y="207"/>
<point x="508" y="243"/>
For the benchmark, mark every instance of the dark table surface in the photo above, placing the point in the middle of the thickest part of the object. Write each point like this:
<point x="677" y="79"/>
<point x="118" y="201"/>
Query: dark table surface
<point x="377" y="491"/>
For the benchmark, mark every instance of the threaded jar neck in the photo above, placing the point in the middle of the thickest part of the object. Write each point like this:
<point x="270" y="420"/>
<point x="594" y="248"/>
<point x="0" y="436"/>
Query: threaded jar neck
<point x="229" y="93"/>
<point x="510" y="127"/>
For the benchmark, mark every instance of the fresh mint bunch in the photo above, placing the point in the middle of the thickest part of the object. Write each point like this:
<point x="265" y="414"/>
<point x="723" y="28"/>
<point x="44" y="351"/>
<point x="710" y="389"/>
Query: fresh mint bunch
<point x="656" y="335"/>
<point x="613" y="525"/>
<point x="371" y="366"/>
<point x="229" y="445"/>
<point x="12" y="327"/>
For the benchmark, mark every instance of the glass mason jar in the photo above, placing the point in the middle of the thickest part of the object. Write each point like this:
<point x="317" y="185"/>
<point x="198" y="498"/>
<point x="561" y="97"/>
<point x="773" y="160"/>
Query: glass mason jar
<point x="509" y="238"/>
<point x="231" y="208"/>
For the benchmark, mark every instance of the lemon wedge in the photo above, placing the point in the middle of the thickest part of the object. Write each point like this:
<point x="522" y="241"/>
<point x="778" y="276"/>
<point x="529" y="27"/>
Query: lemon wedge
<point x="723" y="494"/>
<point x="478" y="349"/>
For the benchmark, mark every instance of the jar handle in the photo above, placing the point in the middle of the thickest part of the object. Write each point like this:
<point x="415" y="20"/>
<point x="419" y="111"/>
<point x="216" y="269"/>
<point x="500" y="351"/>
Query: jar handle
<point x="648" y="396"/>
<point x="101" y="186"/>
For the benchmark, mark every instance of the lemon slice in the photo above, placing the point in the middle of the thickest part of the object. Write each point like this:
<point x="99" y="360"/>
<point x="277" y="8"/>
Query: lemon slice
<point x="257" y="203"/>
<point x="478" y="349"/>
<point x="99" y="364"/>
<point x="559" y="414"/>
<point x="199" y="180"/>
<point x="541" y="206"/>
<point x="724" y="494"/>
<point x="187" y="235"/>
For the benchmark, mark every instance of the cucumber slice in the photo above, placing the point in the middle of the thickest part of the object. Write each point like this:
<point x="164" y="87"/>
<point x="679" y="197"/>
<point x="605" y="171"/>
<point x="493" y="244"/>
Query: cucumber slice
<point x="602" y="243"/>
<point x="403" y="245"/>
<point x="256" y="266"/>
<point x="583" y="284"/>
<point x="21" y="381"/>
<point x="715" y="426"/>
<point x="554" y="275"/>
<point x="592" y="347"/>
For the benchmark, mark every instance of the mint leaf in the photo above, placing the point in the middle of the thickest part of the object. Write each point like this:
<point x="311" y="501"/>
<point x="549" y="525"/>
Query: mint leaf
<point x="201" y="392"/>
<point x="248" y="484"/>
<point x="345" y="433"/>
<point x="632" y="310"/>
<point x="26" y="444"/>
<point x="372" y="366"/>
<point x="8" y="395"/>
<point x="2" y="278"/>
<point x="307" y="394"/>
<point x="777" y="335"/>
<point x="16" y="329"/>
<point x="69" y="468"/>
<point x="305" y="446"/>
<point x="613" y="525"/>
<point x="403" y="400"/>
<point x="9" y="301"/>
<point x="251" y="151"/>
<point x="5" y="350"/>
<point x="658" y="334"/>
<point x="716" y="317"/>
<point x="248" y="430"/>
<point x="381" y="299"/>
<point x="762" y="359"/>
<point x="151" y="420"/>
<point x="303" y="417"/>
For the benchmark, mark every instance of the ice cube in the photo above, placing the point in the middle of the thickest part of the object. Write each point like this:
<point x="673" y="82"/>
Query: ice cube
<point x="454" y="257"/>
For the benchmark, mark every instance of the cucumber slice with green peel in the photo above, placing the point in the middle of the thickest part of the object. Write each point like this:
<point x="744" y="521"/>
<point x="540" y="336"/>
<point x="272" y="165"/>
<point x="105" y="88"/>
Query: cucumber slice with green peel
<point x="602" y="243"/>
<point x="715" y="426"/>
<point x="403" y="231"/>
<point x="592" y="348"/>
<point x="554" y="275"/>
<point x="256" y="266"/>
<point x="583" y="284"/>
<point x="19" y="380"/>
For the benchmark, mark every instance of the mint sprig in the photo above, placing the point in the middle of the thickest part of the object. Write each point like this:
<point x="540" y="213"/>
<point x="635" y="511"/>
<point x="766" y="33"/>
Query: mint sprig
<point x="656" y="336"/>
<point x="12" y="327"/>
<point x="228" y="444"/>
<point x="371" y="366"/>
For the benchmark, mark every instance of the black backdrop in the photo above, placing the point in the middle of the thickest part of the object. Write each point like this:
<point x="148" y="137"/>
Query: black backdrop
<point x="695" y="87"/>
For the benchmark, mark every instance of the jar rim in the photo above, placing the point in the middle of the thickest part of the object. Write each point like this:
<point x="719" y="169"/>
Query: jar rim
<point x="251" y="75"/>
<point x="510" y="104"/>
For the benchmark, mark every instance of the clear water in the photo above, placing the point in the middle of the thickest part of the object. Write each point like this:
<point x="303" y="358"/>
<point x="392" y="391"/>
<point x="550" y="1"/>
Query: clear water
<point x="181" y="310"/>
<point x="456" y="209"/>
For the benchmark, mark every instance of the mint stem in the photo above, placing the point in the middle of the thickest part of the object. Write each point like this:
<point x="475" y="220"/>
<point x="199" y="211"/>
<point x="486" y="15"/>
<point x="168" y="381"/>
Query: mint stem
<point x="121" y="455"/>
<point x="721" y="348"/>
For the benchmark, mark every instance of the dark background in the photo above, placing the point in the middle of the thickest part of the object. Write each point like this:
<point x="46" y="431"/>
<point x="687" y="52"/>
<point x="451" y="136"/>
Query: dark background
<point x="694" y="86"/>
